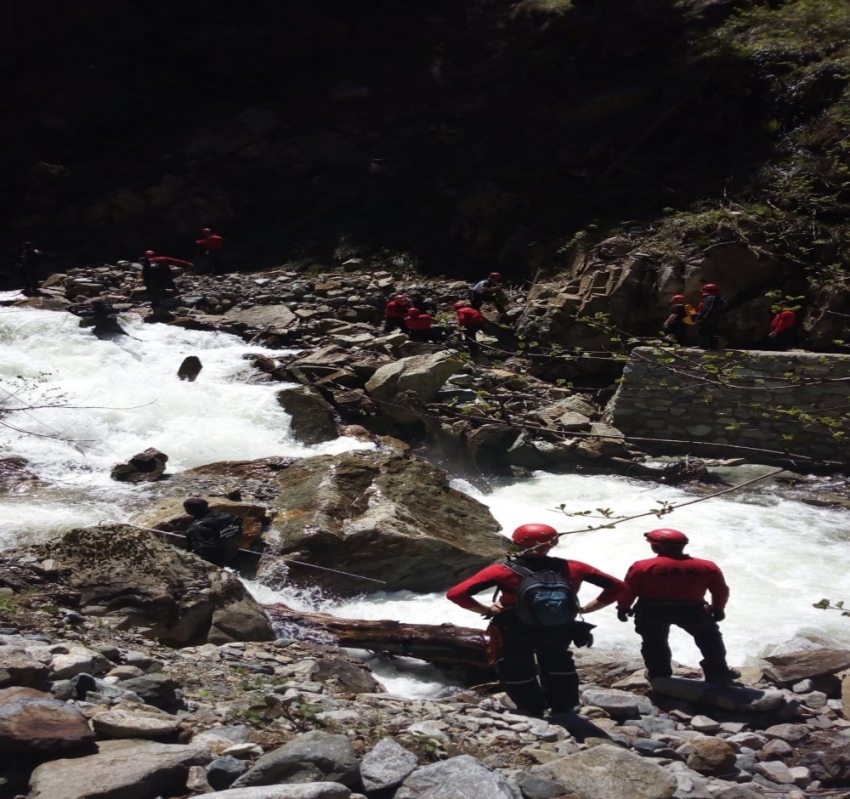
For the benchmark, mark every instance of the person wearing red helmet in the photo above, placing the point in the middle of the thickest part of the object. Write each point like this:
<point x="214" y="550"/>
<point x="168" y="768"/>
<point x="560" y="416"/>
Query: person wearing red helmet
<point x="670" y="589"/>
<point x="708" y="311"/>
<point x="395" y="313"/>
<point x="211" y="245"/>
<point x="534" y="662"/>
<point x="157" y="277"/>
<point x="680" y="318"/>
<point x="420" y="326"/>
<point x="489" y="290"/>
<point x="471" y="320"/>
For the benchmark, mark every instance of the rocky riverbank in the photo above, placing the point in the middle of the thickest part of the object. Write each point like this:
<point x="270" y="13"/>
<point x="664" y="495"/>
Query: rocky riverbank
<point x="95" y="704"/>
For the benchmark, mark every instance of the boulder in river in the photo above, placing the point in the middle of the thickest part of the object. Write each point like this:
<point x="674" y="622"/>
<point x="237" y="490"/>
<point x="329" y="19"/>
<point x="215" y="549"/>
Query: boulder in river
<point x="380" y="515"/>
<point x="312" y="418"/>
<point x="146" y="467"/>
<point x="190" y="368"/>
<point x="133" y="579"/>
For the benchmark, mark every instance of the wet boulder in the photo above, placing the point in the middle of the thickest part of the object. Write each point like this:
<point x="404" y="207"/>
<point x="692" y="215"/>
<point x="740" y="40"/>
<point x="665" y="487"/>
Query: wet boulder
<point x="32" y="721"/>
<point x="380" y="515"/>
<point x="312" y="418"/>
<point x="134" y="580"/>
<point x="146" y="467"/>
<point x="190" y="368"/>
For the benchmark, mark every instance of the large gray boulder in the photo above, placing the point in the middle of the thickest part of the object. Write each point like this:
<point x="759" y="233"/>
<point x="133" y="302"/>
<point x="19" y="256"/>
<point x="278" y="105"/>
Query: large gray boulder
<point x="311" y="757"/>
<point x="262" y="317"/>
<point x="120" y="770"/>
<point x="380" y="515"/>
<point x="135" y="580"/>
<point x="310" y="790"/>
<point x="35" y="722"/>
<point x="386" y="765"/>
<point x="312" y="418"/>
<point x="422" y="374"/>
<point x="459" y="776"/>
<point x="800" y="665"/>
<point x="604" y="772"/>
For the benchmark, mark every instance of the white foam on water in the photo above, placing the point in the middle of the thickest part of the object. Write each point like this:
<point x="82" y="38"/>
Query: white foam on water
<point x="119" y="398"/>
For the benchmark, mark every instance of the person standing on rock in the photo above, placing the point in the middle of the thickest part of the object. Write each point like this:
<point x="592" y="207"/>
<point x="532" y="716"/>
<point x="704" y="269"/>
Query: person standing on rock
<point x="709" y="310"/>
<point x="214" y="535"/>
<point x="395" y="312"/>
<point x="29" y="262"/>
<point x="157" y="277"/>
<point x="783" y="328"/>
<point x="489" y="290"/>
<point x="670" y="589"/>
<point x="532" y="654"/>
<point x="680" y="318"/>
<point x="211" y="246"/>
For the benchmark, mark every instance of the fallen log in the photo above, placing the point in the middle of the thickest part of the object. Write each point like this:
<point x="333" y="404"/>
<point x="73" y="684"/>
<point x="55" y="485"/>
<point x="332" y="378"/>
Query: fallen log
<point x="440" y="644"/>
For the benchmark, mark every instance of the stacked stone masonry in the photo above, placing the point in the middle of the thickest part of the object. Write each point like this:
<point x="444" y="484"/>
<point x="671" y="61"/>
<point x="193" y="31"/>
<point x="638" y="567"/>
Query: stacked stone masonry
<point x="782" y="402"/>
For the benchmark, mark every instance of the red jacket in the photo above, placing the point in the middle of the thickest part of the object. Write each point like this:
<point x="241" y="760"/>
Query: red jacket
<point x="470" y="317"/>
<point x="419" y="322"/>
<point x="164" y="259"/>
<point x="680" y="578"/>
<point x="784" y="320"/>
<point x="500" y="576"/>
<point x="211" y="243"/>
<point x="396" y="309"/>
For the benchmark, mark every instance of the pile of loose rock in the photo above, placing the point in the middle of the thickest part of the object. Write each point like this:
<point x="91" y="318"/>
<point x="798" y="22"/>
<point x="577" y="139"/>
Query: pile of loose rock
<point x="92" y="713"/>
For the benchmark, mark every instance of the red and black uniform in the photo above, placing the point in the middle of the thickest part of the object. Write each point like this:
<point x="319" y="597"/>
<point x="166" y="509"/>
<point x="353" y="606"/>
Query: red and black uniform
<point x="670" y="589"/>
<point x="394" y="315"/>
<point x="708" y="312"/>
<point x="535" y="663"/>
<point x="471" y="320"/>
<point x="157" y="277"/>
<point x="211" y="247"/>
<point x="677" y="328"/>
<point x="784" y="325"/>
<point x="420" y="326"/>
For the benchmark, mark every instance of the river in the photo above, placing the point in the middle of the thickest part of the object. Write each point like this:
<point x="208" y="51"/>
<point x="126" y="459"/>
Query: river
<point x="779" y="555"/>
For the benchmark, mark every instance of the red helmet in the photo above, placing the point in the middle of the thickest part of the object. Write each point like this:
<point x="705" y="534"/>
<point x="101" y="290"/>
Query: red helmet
<point x="678" y="298"/>
<point x="666" y="537"/>
<point x="150" y="253"/>
<point x="461" y="304"/>
<point x="399" y="297"/>
<point x="710" y="288"/>
<point x="414" y="312"/>
<point x="495" y="275"/>
<point x="529" y="535"/>
<point x="206" y="231"/>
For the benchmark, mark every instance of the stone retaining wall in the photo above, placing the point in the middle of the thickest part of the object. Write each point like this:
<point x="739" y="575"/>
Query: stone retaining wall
<point x="777" y="403"/>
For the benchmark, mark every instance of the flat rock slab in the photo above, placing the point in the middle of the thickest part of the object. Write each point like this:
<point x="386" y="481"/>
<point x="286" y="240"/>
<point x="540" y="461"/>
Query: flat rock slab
<point x="32" y="721"/>
<point x="124" y="724"/>
<point x="748" y="700"/>
<point x="272" y="317"/>
<point x="605" y="772"/>
<point x="120" y="770"/>
<point x="310" y="790"/>
<point x="461" y="776"/>
<point x="18" y="668"/>
<point x="794" y="666"/>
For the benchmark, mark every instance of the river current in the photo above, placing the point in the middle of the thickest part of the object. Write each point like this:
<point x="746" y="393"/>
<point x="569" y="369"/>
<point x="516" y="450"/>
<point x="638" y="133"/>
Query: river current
<point x="779" y="555"/>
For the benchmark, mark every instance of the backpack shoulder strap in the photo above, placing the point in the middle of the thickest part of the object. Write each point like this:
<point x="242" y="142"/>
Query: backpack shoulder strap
<point x="519" y="569"/>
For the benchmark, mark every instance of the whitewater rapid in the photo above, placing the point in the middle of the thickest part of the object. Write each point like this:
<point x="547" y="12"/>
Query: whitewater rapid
<point x="780" y="556"/>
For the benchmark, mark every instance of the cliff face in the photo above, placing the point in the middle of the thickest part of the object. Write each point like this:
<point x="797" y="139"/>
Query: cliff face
<point x="455" y="135"/>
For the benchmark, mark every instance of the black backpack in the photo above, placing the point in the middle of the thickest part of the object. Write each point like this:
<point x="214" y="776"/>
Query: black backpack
<point x="544" y="597"/>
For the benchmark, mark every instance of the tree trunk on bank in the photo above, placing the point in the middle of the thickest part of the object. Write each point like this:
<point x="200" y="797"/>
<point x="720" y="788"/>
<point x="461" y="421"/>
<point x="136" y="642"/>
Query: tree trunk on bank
<point x="441" y="644"/>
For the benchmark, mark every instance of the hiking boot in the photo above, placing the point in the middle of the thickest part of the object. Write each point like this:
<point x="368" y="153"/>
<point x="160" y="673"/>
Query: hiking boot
<point x="729" y="676"/>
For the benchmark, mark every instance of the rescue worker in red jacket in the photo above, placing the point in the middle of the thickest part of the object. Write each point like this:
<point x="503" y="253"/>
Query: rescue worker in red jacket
<point x="670" y="589"/>
<point x="783" y="328"/>
<point x="211" y="245"/>
<point x="471" y="320"/>
<point x="157" y="277"/>
<point x="420" y="326"/>
<point x="708" y="312"/>
<point x="395" y="313"/>
<point x="534" y="663"/>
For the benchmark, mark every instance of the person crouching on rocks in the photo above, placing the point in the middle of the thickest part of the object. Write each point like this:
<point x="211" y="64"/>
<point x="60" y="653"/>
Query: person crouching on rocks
<point x="213" y="535"/>
<point x="670" y="589"/>
<point x="531" y="632"/>
<point x="395" y="313"/>
<point x="420" y="326"/>
<point x="471" y="320"/>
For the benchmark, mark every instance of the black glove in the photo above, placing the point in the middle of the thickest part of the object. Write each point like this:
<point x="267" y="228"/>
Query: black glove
<point x="623" y="615"/>
<point x="581" y="634"/>
<point x="717" y="614"/>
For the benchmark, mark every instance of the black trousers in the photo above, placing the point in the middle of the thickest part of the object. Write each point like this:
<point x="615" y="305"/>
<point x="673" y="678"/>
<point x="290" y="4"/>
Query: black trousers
<point x="394" y="323"/>
<point x="652" y="624"/>
<point x="784" y="340"/>
<point x="536" y="666"/>
<point x="707" y="334"/>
